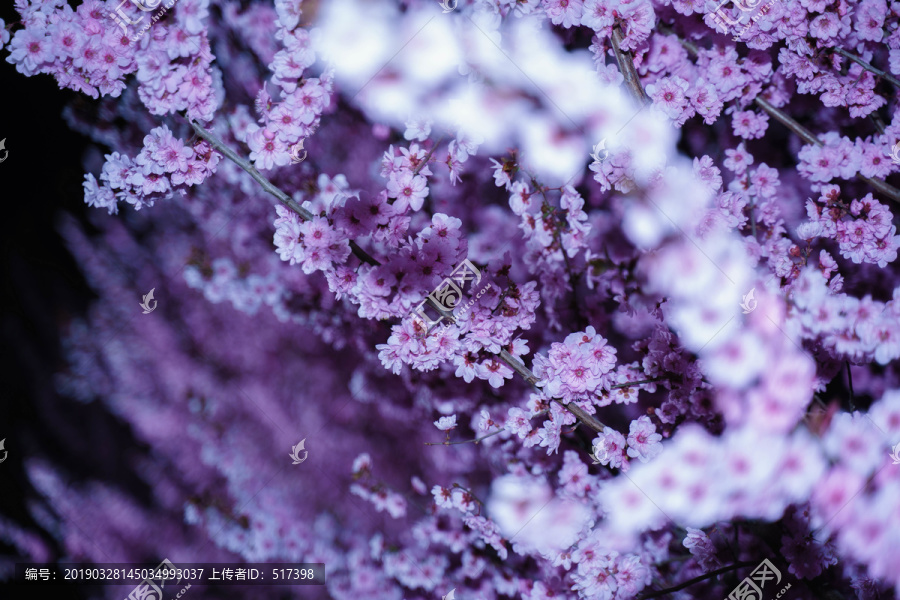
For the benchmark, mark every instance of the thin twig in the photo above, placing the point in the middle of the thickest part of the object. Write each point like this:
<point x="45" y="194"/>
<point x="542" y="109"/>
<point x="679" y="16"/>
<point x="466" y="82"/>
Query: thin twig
<point x="639" y="382"/>
<point x="484" y="437"/>
<point x="850" y="384"/>
<point x="697" y="579"/>
<point x="788" y="122"/>
<point x="290" y="202"/>
<point x="875" y="70"/>
<point x="500" y="302"/>
<point x="885" y="188"/>
<point x="574" y="279"/>
<point x="475" y="441"/>
<point x="753" y="217"/>
<point x="628" y="384"/>
<point x="428" y="156"/>
<point x="470" y="492"/>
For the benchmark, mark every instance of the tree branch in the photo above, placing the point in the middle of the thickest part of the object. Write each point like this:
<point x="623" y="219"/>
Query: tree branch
<point x="626" y="66"/>
<point x="582" y="416"/>
<point x="788" y="122"/>
<point x="875" y="70"/>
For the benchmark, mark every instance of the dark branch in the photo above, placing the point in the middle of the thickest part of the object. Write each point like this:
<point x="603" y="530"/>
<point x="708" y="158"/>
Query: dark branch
<point x="697" y="579"/>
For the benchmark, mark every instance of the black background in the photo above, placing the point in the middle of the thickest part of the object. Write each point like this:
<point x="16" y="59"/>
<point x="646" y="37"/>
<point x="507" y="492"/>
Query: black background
<point x="43" y="290"/>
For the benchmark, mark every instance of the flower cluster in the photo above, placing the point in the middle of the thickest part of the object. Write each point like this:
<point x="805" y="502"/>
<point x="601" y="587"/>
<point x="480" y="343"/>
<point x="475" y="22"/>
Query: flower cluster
<point x="576" y="368"/>
<point x="81" y="48"/>
<point x="843" y="158"/>
<point x="221" y="281"/>
<point x="316" y="245"/>
<point x="613" y="449"/>
<point x="382" y="498"/>
<point x="164" y="165"/>
<point x="863" y="229"/>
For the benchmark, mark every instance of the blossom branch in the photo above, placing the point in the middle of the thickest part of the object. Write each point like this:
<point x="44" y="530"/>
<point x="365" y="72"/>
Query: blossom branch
<point x="583" y="416"/>
<point x="270" y="187"/>
<point x="482" y="438"/>
<point x="290" y="203"/>
<point x="530" y="377"/>
<point x="885" y="188"/>
<point x="468" y="491"/>
<point x="779" y="115"/>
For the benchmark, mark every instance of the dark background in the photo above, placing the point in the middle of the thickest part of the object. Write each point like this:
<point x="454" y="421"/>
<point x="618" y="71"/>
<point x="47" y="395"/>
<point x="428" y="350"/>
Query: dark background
<point x="42" y="291"/>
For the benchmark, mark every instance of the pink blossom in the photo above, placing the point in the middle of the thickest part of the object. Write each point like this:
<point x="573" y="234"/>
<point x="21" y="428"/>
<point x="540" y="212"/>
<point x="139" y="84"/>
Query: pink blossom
<point x="749" y="125"/>
<point x="643" y="441"/>
<point x="564" y="12"/>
